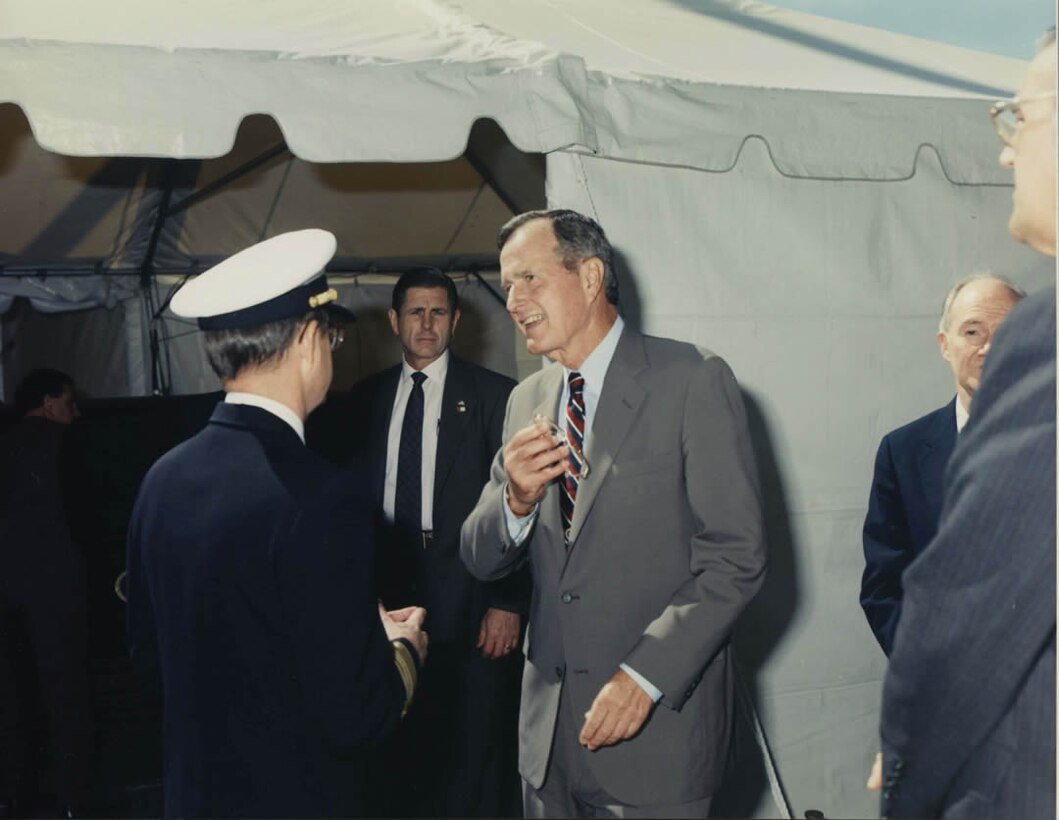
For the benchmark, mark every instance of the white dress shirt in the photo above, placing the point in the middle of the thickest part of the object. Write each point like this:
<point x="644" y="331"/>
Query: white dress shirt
<point x="272" y="406"/>
<point x="961" y="415"/>
<point x="433" y="390"/>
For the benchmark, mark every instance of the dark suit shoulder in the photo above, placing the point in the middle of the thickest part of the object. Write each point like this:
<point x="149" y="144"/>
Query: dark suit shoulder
<point x="374" y="381"/>
<point x="918" y="428"/>
<point x="225" y="450"/>
<point x="483" y="376"/>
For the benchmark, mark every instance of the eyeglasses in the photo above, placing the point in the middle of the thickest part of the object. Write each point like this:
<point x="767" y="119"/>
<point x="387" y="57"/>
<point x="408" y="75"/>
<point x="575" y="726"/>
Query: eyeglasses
<point x="335" y="336"/>
<point x="1007" y="115"/>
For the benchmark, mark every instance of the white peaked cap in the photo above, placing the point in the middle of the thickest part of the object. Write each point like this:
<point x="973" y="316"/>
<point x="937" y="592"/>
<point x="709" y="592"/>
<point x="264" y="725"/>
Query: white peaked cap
<point x="275" y="279"/>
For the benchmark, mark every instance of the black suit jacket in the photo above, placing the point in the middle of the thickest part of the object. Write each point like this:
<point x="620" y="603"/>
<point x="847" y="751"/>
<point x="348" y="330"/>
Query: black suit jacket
<point x="472" y="416"/>
<point x="903" y="512"/>
<point x="968" y="717"/>
<point x="251" y="601"/>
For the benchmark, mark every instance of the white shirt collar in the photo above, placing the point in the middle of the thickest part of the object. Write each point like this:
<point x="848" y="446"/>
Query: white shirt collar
<point x="272" y="406"/>
<point x="961" y="415"/>
<point x="435" y="371"/>
<point x="594" y="368"/>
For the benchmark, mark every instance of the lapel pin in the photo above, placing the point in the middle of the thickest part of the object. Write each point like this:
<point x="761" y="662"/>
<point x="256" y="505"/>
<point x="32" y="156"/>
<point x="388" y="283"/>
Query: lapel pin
<point x="461" y="406"/>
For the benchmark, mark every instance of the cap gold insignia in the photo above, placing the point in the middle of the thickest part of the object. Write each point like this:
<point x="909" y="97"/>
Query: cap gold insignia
<point x="328" y="295"/>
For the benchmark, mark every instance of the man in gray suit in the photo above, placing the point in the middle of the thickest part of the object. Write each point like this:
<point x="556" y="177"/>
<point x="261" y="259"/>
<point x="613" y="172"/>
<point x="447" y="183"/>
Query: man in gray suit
<point x="641" y="518"/>
<point x="968" y="720"/>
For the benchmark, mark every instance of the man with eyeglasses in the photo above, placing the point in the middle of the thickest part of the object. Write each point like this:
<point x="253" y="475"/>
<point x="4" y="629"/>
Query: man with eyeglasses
<point x="968" y="718"/>
<point x="251" y="600"/>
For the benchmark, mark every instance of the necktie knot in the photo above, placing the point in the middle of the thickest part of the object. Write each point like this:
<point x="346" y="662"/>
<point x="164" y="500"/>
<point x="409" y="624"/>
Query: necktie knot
<point x="576" y="382"/>
<point x="419" y="377"/>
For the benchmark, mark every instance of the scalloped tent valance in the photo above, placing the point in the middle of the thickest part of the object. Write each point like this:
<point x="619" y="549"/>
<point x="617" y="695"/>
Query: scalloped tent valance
<point x="674" y="84"/>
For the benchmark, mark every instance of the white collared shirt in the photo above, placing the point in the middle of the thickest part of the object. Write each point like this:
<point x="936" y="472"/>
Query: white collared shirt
<point x="962" y="414"/>
<point x="433" y="390"/>
<point x="593" y="370"/>
<point x="272" y="406"/>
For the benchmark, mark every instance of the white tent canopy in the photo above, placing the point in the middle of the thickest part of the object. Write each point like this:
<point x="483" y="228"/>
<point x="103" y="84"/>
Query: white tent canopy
<point x="795" y="193"/>
<point x="346" y="80"/>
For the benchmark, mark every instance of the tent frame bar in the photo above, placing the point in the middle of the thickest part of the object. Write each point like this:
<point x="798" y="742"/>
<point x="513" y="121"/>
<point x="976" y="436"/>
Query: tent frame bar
<point x="471" y="263"/>
<point x="206" y="190"/>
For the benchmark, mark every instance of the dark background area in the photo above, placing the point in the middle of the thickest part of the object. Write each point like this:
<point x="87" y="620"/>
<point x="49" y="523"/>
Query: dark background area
<point x="107" y="453"/>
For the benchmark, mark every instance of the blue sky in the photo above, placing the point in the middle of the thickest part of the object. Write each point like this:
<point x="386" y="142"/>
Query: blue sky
<point x="1008" y="27"/>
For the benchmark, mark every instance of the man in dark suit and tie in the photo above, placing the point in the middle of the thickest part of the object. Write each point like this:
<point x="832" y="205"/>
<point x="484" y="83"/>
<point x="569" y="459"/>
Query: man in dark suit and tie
<point x="968" y="717"/>
<point x="906" y="492"/>
<point x="250" y="594"/>
<point x="432" y="430"/>
<point x="639" y="514"/>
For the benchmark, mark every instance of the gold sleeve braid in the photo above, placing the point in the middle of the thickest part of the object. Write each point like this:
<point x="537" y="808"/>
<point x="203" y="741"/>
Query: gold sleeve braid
<point x="406" y="667"/>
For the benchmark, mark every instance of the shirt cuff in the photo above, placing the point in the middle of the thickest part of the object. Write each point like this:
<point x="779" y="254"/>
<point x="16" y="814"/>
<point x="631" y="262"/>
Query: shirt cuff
<point x="653" y="691"/>
<point x="518" y="528"/>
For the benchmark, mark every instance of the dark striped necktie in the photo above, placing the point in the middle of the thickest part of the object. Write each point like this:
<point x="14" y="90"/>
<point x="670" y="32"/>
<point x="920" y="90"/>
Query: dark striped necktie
<point x="575" y="438"/>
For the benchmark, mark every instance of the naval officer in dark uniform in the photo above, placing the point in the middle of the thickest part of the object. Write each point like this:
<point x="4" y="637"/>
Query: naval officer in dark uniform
<point x="251" y="598"/>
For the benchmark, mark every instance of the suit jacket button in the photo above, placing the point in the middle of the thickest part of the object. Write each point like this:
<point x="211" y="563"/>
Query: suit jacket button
<point x="567" y="598"/>
<point x="559" y="672"/>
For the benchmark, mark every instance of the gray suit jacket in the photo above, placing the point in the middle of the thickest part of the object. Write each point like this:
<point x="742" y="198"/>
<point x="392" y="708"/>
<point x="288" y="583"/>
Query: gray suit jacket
<point x="968" y="720"/>
<point x="666" y="550"/>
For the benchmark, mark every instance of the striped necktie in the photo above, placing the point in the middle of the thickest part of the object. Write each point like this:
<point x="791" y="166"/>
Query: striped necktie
<point x="575" y="438"/>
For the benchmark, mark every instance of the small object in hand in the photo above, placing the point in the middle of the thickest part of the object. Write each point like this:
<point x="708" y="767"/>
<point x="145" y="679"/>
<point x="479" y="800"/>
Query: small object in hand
<point x="560" y="438"/>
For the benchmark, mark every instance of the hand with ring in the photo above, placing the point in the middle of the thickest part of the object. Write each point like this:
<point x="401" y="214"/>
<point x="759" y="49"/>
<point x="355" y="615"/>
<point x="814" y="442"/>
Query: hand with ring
<point x="498" y="634"/>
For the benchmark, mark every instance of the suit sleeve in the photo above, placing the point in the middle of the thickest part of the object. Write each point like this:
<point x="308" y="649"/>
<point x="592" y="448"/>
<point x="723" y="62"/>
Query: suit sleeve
<point x="887" y="550"/>
<point x="139" y="614"/>
<point x="486" y="547"/>
<point x="345" y="664"/>
<point x="727" y="550"/>
<point x="512" y="592"/>
<point x="979" y="602"/>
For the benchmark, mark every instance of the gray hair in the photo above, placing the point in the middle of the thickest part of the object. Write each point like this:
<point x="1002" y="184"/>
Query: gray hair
<point x="579" y="237"/>
<point x="231" y="350"/>
<point x="1017" y="292"/>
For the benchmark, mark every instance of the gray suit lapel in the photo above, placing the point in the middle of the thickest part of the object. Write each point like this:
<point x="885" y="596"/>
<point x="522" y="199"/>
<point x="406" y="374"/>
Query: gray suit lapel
<point x="551" y="391"/>
<point x="619" y="403"/>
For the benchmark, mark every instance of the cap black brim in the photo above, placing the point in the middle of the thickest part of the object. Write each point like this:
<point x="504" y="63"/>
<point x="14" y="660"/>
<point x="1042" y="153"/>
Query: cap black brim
<point x="337" y="313"/>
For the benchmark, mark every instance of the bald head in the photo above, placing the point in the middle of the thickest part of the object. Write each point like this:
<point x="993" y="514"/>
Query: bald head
<point x="974" y="309"/>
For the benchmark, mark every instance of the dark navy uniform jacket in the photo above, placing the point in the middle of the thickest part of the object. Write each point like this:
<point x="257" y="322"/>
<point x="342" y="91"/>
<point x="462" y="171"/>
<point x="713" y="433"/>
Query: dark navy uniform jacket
<point x="251" y="601"/>
<point x="903" y="512"/>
